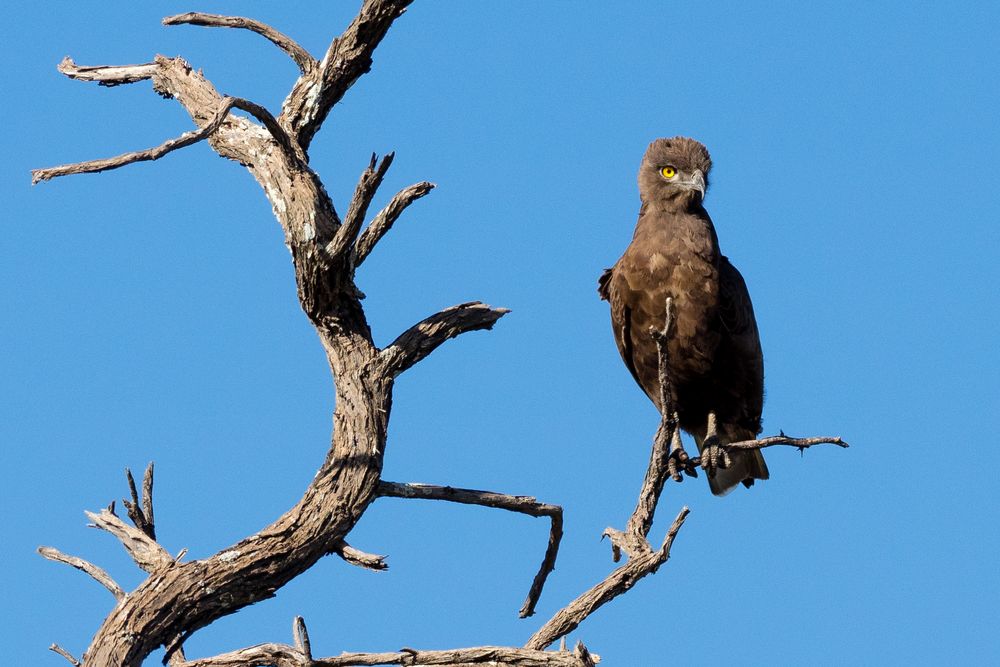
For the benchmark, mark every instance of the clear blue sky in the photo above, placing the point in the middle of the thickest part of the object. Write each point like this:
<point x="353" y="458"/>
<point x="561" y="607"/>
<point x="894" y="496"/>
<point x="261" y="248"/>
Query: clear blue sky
<point x="150" y="314"/>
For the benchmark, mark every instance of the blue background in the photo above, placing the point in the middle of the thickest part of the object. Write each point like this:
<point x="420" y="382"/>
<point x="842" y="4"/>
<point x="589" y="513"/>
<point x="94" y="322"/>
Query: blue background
<point x="150" y="314"/>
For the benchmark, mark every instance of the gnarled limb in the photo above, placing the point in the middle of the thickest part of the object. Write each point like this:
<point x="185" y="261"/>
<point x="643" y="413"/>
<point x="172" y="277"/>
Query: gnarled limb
<point x="301" y="57"/>
<point x="424" y="337"/>
<point x="348" y="57"/>
<point x="521" y="504"/>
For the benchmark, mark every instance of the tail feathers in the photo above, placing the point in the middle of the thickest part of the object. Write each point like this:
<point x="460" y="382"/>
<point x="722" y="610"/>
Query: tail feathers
<point x="747" y="466"/>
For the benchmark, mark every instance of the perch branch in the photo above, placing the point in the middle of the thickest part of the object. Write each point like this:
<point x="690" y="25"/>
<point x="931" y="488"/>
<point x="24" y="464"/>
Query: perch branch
<point x="360" y="558"/>
<point x="301" y="57"/>
<point x="371" y="179"/>
<point x="622" y="579"/>
<point x="348" y="57"/>
<point x="145" y="551"/>
<point x="522" y="504"/>
<point x="385" y="219"/>
<point x="56" y="648"/>
<point x="771" y="441"/>
<point x="424" y="337"/>
<point x="98" y="574"/>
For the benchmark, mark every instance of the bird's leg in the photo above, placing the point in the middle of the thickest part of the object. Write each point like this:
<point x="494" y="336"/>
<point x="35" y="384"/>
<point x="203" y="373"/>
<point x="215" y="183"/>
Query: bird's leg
<point x="713" y="455"/>
<point x="678" y="460"/>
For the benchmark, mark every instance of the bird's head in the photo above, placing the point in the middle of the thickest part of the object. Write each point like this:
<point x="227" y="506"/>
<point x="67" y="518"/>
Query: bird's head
<point x="674" y="170"/>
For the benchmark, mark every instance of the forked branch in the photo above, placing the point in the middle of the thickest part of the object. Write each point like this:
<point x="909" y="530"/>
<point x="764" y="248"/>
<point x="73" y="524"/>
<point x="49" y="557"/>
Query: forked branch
<point x="368" y="184"/>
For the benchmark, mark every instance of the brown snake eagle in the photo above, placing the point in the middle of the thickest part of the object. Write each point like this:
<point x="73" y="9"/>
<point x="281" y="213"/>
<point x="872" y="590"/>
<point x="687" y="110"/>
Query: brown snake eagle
<point x="716" y="366"/>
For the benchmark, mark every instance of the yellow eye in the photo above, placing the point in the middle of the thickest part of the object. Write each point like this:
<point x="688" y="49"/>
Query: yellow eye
<point x="668" y="172"/>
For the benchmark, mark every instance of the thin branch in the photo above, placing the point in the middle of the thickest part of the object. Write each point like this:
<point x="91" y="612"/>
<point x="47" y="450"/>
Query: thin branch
<point x="360" y="558"/>
<point x="155" y="153"/>
<point x="301" y="57"/>
<point x="56" y="648"/>
<point x="521" y="504"/>
<point x="771" y="441"/>
<point x="348" y="57"/>
<point x="146" y="552"/>
<point x="622" y="579"/>
<point x="107" y="75"/>
<point x="226" y="104"/>
<point x="371" y="179"/>
<point x="659" y="460"/>
<point x="424" y="337"/>
<point x="385" y="219"/>
<point x="97" y="573"/>
<point x="282" y="655"/>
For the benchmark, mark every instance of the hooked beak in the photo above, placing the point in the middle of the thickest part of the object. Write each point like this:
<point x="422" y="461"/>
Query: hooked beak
<point x="696" y="182"/>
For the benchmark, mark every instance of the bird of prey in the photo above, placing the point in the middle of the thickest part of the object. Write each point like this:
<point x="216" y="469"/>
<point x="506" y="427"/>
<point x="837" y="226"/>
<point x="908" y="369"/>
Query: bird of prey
<point x="715" y="363"/>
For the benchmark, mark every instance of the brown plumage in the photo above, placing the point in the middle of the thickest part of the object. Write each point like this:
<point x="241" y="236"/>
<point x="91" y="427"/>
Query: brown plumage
<point x="716" y="363"/>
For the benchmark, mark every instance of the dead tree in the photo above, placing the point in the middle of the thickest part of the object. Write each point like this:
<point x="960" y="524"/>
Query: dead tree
<point x="178" y="598"/>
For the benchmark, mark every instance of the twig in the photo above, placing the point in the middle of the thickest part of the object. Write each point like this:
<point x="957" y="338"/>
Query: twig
<point x="622" y="579"/>
<point x="66" y="654"/>
<point x="385" y="219"/>
<point x="371" y="179"/>
<point x="97" y="573"/>
<point x="424" y="337"/>
<point x="360" y="558"/>
<point x="301" y="57"/>
<point x="521" y="504"/>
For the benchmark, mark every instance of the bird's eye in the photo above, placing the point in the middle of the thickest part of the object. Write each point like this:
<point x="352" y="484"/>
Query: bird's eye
<point x="668" y="172"/>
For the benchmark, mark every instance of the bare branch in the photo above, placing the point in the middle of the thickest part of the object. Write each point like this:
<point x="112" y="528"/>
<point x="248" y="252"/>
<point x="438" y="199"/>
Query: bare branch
<point x="145" y="551"/>
<point x="301" y="57"/>
<point x="385" y="219"/>
<point x="424" y="337"/>
<point x="66" y="654"/>
<point x="301" y="636"/>
<point x="521" y="504"/>
<point x="771" y="441"/>
<point x="348" y="57"/>
<point x="154" y="153"/>
<point x="622" y="579"/>
<point x="98" y="573"/>
<point x="226" y="104"/>
<point x="283" y="655"/>
<point x="107" y="75"/>
<point x="371" y="179"/>
<point x="360" y="558"/>
<point x="141" y="513"/>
